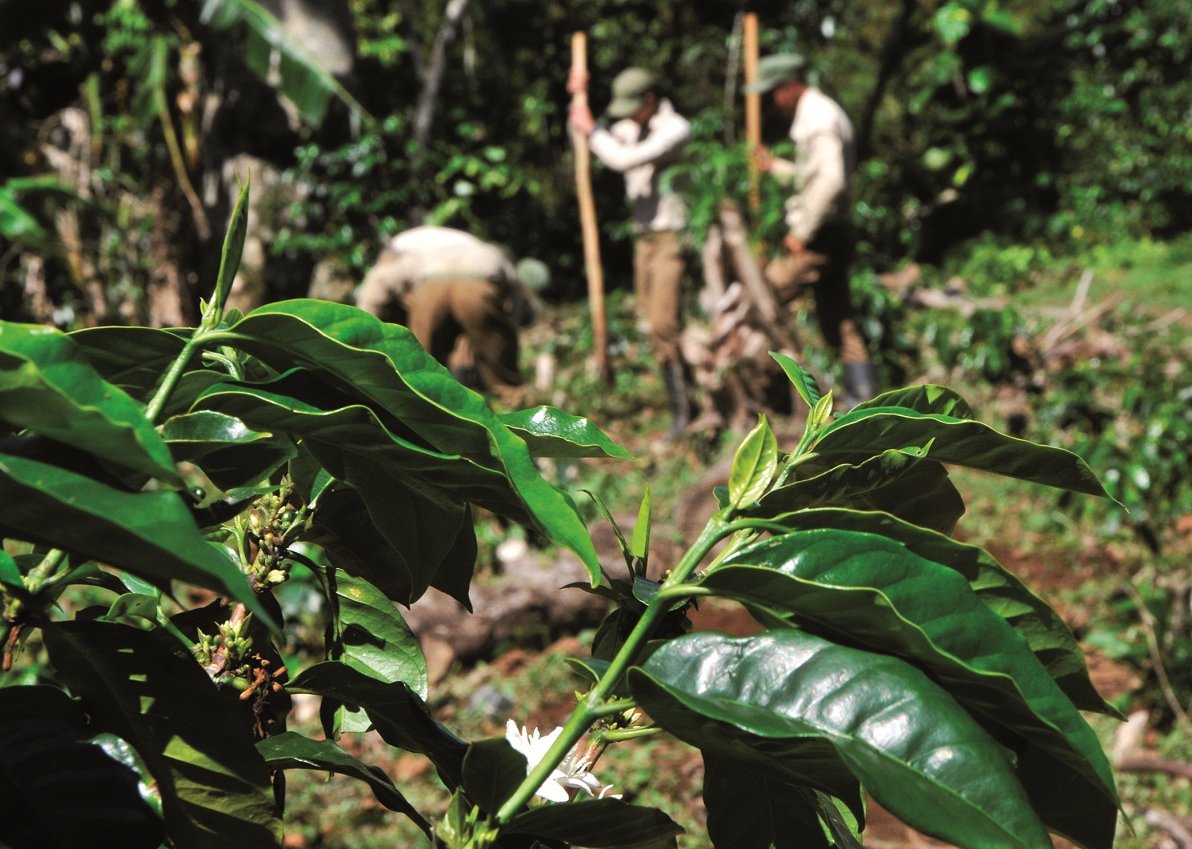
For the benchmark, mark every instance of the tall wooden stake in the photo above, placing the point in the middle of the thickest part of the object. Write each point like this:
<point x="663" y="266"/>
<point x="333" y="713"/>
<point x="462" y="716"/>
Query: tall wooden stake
<point x="753" y="107"/>
<point x="587" y="217"/>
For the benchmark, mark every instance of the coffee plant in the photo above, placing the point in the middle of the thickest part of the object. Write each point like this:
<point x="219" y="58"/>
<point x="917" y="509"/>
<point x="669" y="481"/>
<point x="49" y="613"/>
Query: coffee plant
<point x="158" y="487"/>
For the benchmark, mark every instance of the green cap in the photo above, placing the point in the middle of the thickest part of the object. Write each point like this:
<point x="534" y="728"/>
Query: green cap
<point x="533" y="274"/>
<point x="774" y="70"/>
<point x="629" y="92"/>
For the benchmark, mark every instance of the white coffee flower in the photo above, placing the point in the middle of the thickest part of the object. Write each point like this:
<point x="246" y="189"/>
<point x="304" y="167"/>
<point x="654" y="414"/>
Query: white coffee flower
<point x="570" y="775"/>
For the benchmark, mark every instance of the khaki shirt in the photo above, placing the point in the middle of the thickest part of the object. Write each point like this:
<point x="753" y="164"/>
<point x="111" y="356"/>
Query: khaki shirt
<point x="824" y="161"/>
<point x="642" y="158"/>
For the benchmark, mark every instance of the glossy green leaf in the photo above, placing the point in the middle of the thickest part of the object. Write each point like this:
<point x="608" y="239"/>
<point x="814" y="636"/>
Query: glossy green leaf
<point x="751" y="810"/>
<point x="60" y="789"/>
<point x="150" y="534"/>
<point x="229" y="452"/>
<point x="902" y="483"/>
<point x="399" y="715"/>
<point x="10" y="573"/>
<point x="133" y="358"/>
<point x="872" y="591"/>
<point x="384" y="365"/>
<point x="133" y="609"/>
<point x="928" y="398"/>
<point x="370" y="635"/>
<point x="550" y="432"/>
<point x="802" y="380"/>
<point x="492" y="771"/>
<point x="1001" y="591"/>
<point x="855" y="436"/>
<point x="920" y="755"/>
<point x="639" y="541"/>
<point x="599" y="823"/>
<point x="291" y="750"/>
<point x="622" y="543"/>
<point x="754" y="465"/>
<point x="214" y="786"/>
<point x="48" y="387"/>
<point x="347" y="532"/>
<point x="229" y="257"/>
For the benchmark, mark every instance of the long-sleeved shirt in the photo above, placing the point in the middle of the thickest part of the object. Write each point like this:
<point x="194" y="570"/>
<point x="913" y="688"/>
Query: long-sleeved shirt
<point x="824" y="160"/>
<point x="642" y="156"/>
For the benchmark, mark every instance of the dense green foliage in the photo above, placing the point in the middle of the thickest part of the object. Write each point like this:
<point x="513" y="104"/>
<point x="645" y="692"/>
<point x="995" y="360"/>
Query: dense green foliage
<point x="139" y="465"/>
<point x="1049" y="118"/>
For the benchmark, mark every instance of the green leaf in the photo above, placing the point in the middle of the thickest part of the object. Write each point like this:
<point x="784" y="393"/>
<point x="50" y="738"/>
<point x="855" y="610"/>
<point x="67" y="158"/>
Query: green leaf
<point x="857" y="435"/>
<point x="229" y="257"/>
<point x="872" y="591"/>
<point x="549" y="432"/>
<point x="291" y="750"/>
<point x="10" y="573"/>
<point x="384" y="365"/>
<point x="803" y="382"/>
<point x="898" y="482"/>
<point x="1001" y="591"/>
<point x="133" y="609"/>
<point x="920" y="755"/>
<point x="600" y="823"/>
<point x="753" y="466"/>
<point x="59" y="788"/>
<point x="492" y="771"/>
<point x="133" y="358"/>
<point x="399" y="715"/>
<point x="214" y="786"/>
<point x="150" y="534"/>
<point x="370" y="636"/>
<point x="639" y="541"/>
<point x="48" y="387"/>
<point x="228" y="451"/>
<point x="347" y="531"/>
<point x="927" y="398"/>
<point x="748" y="810"/>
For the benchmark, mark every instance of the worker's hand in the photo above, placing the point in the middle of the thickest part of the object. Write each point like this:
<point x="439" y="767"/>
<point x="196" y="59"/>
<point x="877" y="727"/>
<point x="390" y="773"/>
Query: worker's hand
<point x="580" y="118"/>
<point x="792" y="244"/>
<point x="762" y="157"/>
<point x="577" y="81"/>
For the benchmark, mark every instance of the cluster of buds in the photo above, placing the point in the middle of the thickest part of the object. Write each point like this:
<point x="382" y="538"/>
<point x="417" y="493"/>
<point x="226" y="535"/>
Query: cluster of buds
<point x="268" y="523"/>
<point x="226" y="649"/>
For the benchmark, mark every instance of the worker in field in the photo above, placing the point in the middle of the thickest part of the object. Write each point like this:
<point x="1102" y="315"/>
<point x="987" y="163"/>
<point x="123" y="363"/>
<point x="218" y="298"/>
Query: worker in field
<point x="819" y="242"/>
<point x="449" y="287"/>
<point x="648" y="135"/>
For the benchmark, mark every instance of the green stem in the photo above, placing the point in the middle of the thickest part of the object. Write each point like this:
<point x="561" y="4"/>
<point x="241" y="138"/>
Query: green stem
<point x="619" y="735"/>
<point x="612" y="708"/>
<point x="45" y="571"/>
<point x="170" y="381"/>
<point x="589" y="709"/>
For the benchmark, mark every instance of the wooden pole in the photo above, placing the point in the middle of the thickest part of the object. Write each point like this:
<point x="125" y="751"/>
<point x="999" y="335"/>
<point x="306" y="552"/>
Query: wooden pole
<point x="753" y="108"/>
<point x="587" y="217"/>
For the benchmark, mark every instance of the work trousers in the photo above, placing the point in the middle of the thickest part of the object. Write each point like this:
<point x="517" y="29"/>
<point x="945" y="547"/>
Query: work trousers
<point x="439" y="310"/>
<point x="823" y="265"/>
<point x="657" y="280"/>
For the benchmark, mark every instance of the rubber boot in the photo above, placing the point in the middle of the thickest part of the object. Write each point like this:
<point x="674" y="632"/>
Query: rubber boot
<point x="860" y="383"/>
<point x="674" y="378"/>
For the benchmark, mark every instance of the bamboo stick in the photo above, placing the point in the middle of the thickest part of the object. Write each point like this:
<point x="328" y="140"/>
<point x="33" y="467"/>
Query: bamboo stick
<point x="753" y="108"/>
<point x="587" y="217"/>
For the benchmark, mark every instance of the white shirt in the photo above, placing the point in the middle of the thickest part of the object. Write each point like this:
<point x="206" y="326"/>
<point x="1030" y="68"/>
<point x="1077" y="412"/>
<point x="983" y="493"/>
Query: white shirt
<point x="427" y="252"/>
<point x="642" y="159"/>
<point x="824" y="161"/>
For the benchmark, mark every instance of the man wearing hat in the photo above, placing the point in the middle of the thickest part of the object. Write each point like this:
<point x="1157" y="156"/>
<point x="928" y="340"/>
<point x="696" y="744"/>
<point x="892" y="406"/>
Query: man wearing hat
<point x="648" y="136"/>
<point x="819" y="241"/>
<point x="445" y="284"/>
